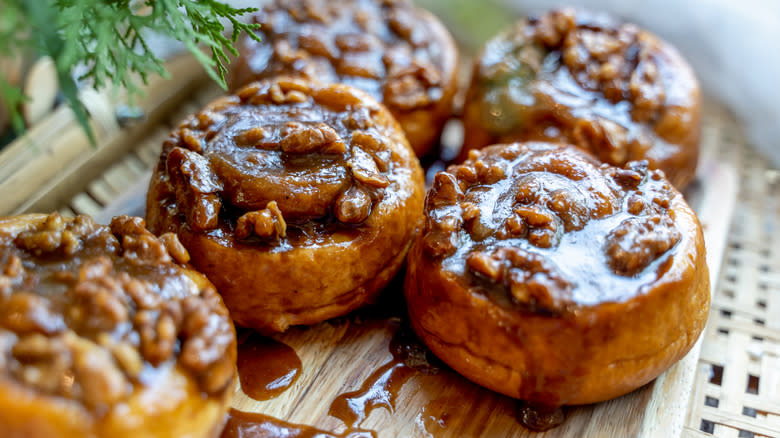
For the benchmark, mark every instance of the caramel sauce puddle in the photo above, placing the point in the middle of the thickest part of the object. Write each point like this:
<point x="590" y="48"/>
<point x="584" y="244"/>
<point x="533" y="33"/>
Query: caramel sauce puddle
<point x="266" y="367"/>
<point x="539" y="418"/>
<point x="254" y="425"/>
<point x="381" y="388"/>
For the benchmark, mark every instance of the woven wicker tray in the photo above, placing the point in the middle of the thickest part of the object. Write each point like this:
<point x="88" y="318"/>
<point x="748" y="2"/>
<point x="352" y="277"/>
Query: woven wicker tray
<point x="732" y="389"/>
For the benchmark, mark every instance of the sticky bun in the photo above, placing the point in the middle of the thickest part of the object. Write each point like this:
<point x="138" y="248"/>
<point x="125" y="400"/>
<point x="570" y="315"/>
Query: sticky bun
<point x="298" y="200"/>
<point x="401" y="55"/>
<point x="610" y="88"/>
<point x="549" y="277"/>
<point x="105" y="332"/>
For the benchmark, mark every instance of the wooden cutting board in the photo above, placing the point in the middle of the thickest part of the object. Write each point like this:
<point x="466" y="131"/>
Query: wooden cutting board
<point x="348" y="362"/>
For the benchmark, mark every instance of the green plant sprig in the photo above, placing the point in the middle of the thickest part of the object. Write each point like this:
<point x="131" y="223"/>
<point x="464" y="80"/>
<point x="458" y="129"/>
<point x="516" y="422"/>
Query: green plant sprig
<point x="107" y="37"/>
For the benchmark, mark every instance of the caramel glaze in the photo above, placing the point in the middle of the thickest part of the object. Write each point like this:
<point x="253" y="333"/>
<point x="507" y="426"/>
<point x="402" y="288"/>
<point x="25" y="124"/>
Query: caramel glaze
<point x="253" y="425"/>
<point x="80" y="288"/>
<point x="399" y="54"/>
<point x="266" y="367"/>
<point x="528" y="243"/>
<point x="105" y="331"/>
<point x="545" y="211"/>
<point x="539" y="418"/>
<point x="412" y="367"/>
<point x="413" y="361"/>
<point x="611" y="88"/>
<point x="294" y="175"/>
<point x="380" y="389"/>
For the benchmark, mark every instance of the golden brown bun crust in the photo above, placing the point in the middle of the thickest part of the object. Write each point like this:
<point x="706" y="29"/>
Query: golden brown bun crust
<point x="342" y="229"/>
<point x="610" y="88"/>
<point x="72" y="326"/>
<point x="553" y="347"/>
<point x="402" y="55"/>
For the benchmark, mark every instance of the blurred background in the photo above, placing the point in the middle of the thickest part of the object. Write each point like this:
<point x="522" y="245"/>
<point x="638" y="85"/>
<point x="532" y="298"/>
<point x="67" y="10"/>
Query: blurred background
<point x="734" y="46"/>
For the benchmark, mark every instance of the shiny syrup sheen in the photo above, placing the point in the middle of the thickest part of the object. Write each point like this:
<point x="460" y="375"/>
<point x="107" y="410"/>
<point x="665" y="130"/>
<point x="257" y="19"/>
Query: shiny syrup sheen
<point x="266" y="367"/>
<point x="410" y="359"/>
<point x="253" y="425"/>
<point x="381" y="388"/>
<point x="539" y="418"/>
<point x="440" y="416"/>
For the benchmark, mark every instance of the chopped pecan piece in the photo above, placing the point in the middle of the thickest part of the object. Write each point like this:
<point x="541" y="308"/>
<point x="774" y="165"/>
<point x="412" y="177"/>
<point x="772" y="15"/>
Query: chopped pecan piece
<point x="157" y="334"/>
<point x="605" y="138"/>
<point x="444" y="191"/>
<point x="336" y="98"/>
<point x="98" y="298"/>
<point x="402" y="22"/>
<point x="307" y="139"/>
<point x="367" y="141"/>
<point x="647" y="90"/>
<point x="630" y="177"/>
<point x="317" y="46"/>
<point x="26" y="312"/>
<point x="197" y="188"/>
<point x="555" y="26"/>
<point x="207" y="120"/>
<point x="191" y="140"/>
<point x="353" y="206"/>
<point x="406" y="92"/>
<point x="125" y="354"/>
<point x="281" y="96"/>
<point x="265" y="223"/>
<point x="530" y="279"/>
<point x="54" y="237"/>
<point x="540" y="224"/>
<point x="13" y="267"/>
<point x="102" y="382"/>
<point x="365" y="170"/>
<point x="441" y="234"/>
<point x="175" y="247"/>
<point x="252" y="137"/>
<point x="356" y="42"/>
<point x="137" y="242"/>
<point x="638" y="241"/>
<point x="488" y="174"/>
<point x="44" y="361"/>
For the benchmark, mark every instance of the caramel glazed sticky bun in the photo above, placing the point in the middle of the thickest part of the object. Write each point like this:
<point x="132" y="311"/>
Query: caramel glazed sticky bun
<point x="298" y="200"/>
<point x="105" y="332"/>
<point x="401" y="55"/>
<point x="585" y="78"/>
<point x="549" y="277"/>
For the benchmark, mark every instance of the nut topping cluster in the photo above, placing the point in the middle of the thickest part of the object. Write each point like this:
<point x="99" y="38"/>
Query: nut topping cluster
<point x="510" y="214"/>
<point x="278" y="154"/>
<point x="587" y="79"/>
<point x="378" y="46"/>
<point x="86" y="309"/>
<point x="528" y="277"/>
<point x="617" y="60"/>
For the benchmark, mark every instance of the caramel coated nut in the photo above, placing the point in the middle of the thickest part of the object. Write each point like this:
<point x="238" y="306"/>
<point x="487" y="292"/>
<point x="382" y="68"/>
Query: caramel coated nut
<point x="113" y="305"/>
<point x="546" y="196"/>
<point x="306" y="169"/>
<point x="550" y="277"/>
<point x="294" y="177"/>
<point x="398" y="53"/>
<point x="573" y="76"/>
